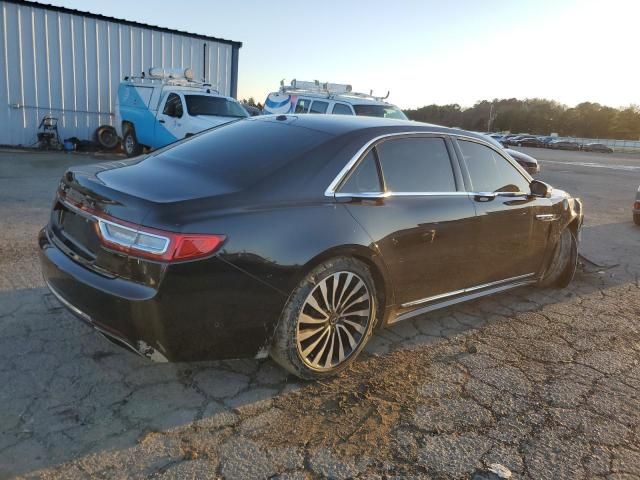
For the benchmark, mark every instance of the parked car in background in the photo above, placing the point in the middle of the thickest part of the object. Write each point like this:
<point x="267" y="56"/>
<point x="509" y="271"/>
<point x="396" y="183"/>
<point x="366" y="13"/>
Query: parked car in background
<point x="527" y="162"/>
<point x="636" y="208"/>
<point x="166" y="105"/>
<point x="223" y="245"/>
<point x="529" y="142"/>
<point x="331" y="98"/>
<point x="597" y="147"/>
<point x="547" y="140"/>
<point x="563" y="145"/>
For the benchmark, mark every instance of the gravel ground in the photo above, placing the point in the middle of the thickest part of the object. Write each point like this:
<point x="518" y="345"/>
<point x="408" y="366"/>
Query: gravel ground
<point x="544" y="384"/>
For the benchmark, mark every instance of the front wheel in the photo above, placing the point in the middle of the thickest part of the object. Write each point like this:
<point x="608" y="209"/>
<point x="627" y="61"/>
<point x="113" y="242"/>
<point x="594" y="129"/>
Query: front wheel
<point x="564" y="262"/>
<point x="130" y="144"/>
<point x="327" y="321"/>
<point x="636" y="218"/>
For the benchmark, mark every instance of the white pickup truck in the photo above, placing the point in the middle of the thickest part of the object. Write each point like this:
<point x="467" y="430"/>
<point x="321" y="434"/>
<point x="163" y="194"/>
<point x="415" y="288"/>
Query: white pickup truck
<point x="167" y="105"/>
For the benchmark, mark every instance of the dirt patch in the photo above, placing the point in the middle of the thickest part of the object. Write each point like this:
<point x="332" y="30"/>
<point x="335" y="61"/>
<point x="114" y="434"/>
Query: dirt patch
<point x="355" y="413"/>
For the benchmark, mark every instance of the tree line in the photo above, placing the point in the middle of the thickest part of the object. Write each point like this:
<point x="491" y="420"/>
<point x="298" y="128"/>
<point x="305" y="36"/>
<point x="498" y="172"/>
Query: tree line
<point x="536" y="116"/>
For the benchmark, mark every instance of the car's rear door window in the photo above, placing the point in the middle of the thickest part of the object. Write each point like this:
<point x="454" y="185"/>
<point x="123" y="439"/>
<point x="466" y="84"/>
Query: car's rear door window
<point x="319" y="107"/>
<point x="416" y="165"/>
<point x="489" y="171"/>
<point x="365" y="177"/>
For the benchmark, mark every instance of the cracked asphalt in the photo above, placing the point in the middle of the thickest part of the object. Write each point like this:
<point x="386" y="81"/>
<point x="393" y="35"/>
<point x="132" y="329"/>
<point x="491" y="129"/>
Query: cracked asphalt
<point x="535" y="383"/>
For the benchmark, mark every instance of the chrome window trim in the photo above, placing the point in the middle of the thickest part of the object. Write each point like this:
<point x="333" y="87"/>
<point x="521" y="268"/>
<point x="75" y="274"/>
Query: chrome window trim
<point x="399" y="194"/>
<point x="333" y="186"/>
<point x="466" y="290"/>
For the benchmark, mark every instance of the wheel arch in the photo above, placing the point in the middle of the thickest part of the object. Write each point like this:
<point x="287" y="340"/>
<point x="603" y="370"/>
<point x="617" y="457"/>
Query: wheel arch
<point x="367" y="255"/>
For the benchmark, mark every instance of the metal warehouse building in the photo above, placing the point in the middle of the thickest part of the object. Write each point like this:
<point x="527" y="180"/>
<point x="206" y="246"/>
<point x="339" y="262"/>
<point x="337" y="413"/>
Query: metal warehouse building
<point x="68" y="64"/>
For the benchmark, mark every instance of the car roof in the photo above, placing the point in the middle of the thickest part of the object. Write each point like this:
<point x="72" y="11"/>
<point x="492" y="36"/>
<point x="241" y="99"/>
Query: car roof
<point x="344" y="124"/>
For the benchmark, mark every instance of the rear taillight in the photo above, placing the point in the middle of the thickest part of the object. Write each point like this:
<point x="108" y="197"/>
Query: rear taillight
<point x="145" y="242"/>
<point x="636" y="206"/>
<point x="155" y="244"/>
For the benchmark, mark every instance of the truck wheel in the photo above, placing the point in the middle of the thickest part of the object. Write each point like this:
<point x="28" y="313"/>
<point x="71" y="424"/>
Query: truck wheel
<point x="327" y="320"/>
<point x="130" y="143"/>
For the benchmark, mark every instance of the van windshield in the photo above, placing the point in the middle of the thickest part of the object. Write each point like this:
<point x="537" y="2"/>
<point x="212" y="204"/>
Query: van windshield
<point x="384" y="111"/>
<point x="215" y="106"/>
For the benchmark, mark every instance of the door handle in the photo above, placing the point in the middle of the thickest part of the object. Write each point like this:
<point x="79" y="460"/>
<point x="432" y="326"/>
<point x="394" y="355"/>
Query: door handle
<point x="484" y="196"/>
<point x="547" y="217"/>
<point x="161" y="121"/>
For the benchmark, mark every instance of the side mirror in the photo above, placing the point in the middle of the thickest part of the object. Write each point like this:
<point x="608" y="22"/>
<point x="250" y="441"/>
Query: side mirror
<point x="540" y="189"/>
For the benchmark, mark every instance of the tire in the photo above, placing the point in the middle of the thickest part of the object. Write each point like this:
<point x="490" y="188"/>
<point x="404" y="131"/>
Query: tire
<point x="312" y="342"/>
<point x="107" y="137"/>
<point x="130" y="143"/>
<point x="636" y="218"/>
<point x="564" y="262"/>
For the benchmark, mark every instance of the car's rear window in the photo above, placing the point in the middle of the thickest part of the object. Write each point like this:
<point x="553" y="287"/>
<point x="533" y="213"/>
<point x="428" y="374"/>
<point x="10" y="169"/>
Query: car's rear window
<point x="243" y="152"/>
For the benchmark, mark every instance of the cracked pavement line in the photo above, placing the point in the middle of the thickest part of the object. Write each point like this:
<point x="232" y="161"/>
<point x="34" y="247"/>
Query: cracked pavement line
<point x="543" y="382"/>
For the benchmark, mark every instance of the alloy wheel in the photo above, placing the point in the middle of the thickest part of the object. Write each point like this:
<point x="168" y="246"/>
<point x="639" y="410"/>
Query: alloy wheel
<point x="334" y="320"/>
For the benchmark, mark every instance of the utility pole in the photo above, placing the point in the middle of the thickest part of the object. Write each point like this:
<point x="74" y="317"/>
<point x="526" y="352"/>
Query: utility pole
<point x="490" y="118"/>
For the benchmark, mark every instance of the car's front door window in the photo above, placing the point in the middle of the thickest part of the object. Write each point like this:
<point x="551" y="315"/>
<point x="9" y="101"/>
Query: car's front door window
<point x="491" y="172"/>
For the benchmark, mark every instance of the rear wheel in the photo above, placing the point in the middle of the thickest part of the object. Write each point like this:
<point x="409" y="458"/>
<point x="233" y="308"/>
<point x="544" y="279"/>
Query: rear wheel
<point x="636" y="218"/>
<point x="130" y="143"/>
<point x="328" y="319"/>
<point x="564" y="262"/>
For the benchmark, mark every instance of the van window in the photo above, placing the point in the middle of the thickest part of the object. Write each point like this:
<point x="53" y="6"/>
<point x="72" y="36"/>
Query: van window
<point x="319" y="107"/>
<point x="384" y="111"/>
<point x="342" y="109"/>
<point x="303" y="105"/>
<point x="173" y="106"/>
<point x="214" y="106"/>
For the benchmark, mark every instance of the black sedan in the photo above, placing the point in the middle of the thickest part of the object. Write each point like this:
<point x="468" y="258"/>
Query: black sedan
<point x="563" y="145"/>
<point x="597" y="147"/>
<point x="297" y="236"/>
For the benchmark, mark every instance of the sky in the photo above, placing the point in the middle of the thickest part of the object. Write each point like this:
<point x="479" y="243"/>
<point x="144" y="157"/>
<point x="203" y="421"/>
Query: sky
<point x="423" y="52"/>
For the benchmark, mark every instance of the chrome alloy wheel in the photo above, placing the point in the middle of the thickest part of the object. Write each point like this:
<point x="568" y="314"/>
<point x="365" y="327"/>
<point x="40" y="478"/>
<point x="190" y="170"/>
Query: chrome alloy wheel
<point x="334" y="320"/>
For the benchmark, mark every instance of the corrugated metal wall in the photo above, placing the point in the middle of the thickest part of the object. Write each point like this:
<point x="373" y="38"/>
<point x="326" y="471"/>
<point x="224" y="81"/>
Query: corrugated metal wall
<point x="70" y="66"/>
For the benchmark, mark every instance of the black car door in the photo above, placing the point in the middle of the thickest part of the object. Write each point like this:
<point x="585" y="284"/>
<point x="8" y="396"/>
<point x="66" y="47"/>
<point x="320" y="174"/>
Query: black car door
<point x="512" y="226"/>
<point x="418" y="216"/>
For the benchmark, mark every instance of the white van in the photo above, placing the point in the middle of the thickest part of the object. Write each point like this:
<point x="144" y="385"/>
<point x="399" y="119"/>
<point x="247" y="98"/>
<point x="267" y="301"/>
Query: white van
<point x="331" y="98"/>
<point x="167" y="105"/>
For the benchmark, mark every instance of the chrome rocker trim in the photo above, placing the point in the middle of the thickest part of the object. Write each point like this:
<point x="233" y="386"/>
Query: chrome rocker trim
<point x="462" y="295"/>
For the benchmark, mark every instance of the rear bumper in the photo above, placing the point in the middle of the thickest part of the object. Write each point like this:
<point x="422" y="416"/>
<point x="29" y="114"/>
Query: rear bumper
<point x="204" y="310"/>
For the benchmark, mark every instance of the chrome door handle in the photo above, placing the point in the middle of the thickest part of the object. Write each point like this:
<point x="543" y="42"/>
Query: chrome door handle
<point x="484" y="196"/>
<point x="547" y="217"/>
